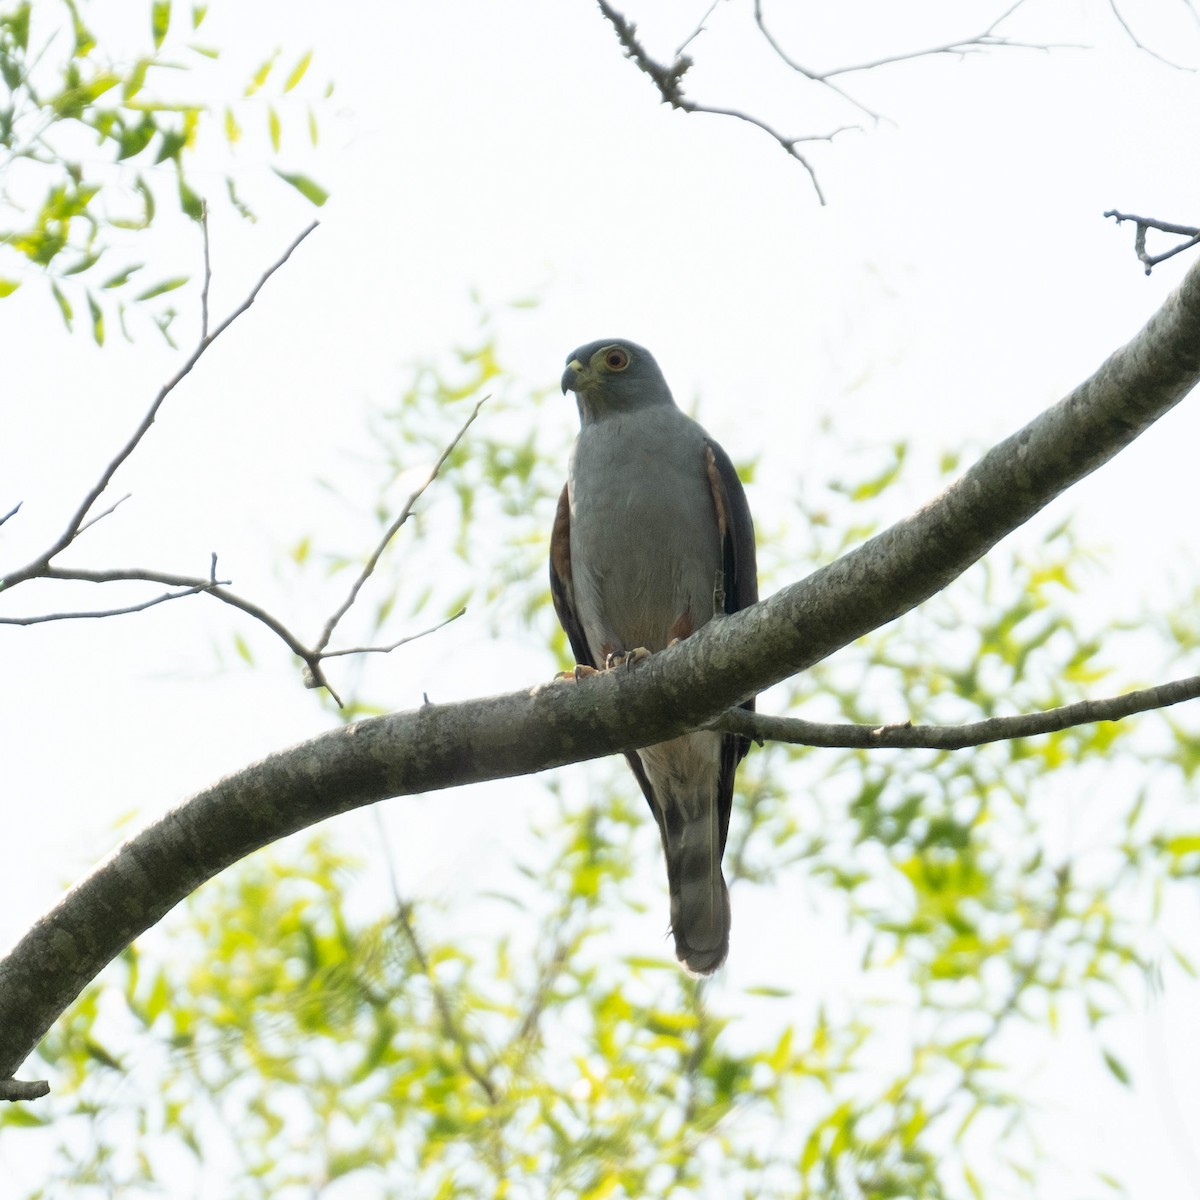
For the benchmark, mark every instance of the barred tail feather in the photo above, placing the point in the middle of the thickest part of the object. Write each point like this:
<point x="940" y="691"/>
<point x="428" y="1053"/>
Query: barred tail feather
<point x="700" y="914"/>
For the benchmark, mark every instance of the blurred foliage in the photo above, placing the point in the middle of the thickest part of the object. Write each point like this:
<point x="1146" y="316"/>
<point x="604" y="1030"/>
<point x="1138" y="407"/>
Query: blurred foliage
<point x="95" y="146"/>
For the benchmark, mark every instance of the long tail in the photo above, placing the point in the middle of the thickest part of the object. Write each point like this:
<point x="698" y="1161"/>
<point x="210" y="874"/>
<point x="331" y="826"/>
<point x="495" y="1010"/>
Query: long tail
<point x="699" y="898"/>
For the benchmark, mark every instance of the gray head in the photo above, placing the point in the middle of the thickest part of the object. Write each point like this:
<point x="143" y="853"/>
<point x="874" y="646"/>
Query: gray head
<point x="613" y="376"/>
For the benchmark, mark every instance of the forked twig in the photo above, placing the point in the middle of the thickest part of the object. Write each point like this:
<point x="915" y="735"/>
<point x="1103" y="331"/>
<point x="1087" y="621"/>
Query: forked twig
<point x="1190" y="233"/>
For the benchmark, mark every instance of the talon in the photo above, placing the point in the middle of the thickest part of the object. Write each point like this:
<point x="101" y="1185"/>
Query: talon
<point x="628" y="658"/>
<point x="581" y="671"/>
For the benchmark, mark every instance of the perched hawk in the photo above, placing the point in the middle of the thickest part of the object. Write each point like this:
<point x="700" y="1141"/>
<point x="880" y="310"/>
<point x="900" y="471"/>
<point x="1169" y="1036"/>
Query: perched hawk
<point x="652" y="533"/>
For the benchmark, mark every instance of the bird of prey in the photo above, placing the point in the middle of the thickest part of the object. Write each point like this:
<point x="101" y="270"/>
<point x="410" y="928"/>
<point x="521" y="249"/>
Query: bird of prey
<point x="652" y="537"/>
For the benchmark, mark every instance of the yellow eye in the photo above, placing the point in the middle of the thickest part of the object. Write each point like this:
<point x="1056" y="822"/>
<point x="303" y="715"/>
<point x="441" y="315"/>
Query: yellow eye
<point x="615" y="359"/>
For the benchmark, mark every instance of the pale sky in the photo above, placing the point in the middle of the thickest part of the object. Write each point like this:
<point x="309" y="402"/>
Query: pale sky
<point x="960" y="278"/>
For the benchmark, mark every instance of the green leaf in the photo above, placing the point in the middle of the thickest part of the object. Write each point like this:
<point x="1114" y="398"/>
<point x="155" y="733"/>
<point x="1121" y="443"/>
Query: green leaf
<point x="313" y="135"/>
<point x="1118" y="1068"/>
<point x="233" y="131"/>
<point x="136" y="80"/>
<point x="1188" y="843"/>
<point x="273" y="127"/>
<point x="243" y="648"/>
<point x="167" y="285"/>
<point x="160" y="20"/>
<point x="134" y="140"/>
<point x="199" y="12"/>
<point x="190" y="201"/>
<point x="8" y="286"/>
<point x="64" y="305"/>
<point x="306" y="187"/>
<point x="260" y="76"/>
<point x="121" y="277"/>
<point x="97" y="319"/>
<point x="18" y="26"/>
<point x="297" y="72"/>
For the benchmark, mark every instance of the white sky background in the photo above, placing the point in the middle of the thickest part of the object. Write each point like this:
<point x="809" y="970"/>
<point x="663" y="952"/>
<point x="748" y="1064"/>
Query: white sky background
<point x="959" y="280"/>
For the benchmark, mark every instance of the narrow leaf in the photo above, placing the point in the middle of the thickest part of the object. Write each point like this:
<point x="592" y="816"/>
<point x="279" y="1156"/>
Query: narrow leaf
<point x="167" y="285"/>
<point x="306" y="187"/>
<point x="260" y="76"/>
<point x="121" y="278"/>
<point x="8" y="286"/>
<point x="190" y="202"/>
<point x="64" y="305"/>
<point x="97" y="319"/>
<point x="297" y="72"/>
<point x="160" y="20"/>
<point x="1118" y="1068"/>
<point x="273" y="127"/>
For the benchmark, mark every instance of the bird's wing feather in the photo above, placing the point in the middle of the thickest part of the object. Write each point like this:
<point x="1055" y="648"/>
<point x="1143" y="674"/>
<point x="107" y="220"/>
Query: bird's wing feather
<point x="562" y="592"/>
<point x="562" y="586"/>
<point x="740" y="568"/>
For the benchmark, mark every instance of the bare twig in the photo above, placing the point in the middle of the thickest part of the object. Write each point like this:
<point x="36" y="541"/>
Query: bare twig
<point x="412" y="637"/>
<point x="956" y="737"/>
<point x="669" y="81"/>
<point x="101" y="515"/>
<point x="12" y="512"/>
<point x="691" y="37"/>
<point x="1133" y="37"/>
<point x="106" y="612"/>
<point x="37" y="568"/>
<point x="1189" y="232"/>
<point x="987" y="40"/>
<point x="800" y="69"/>
<point x="207" y="270"/>
<point x="392" y="530"/>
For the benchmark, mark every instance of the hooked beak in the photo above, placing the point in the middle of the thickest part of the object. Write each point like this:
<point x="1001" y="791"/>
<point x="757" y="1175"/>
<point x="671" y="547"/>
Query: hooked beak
<point x="570" y="378"/>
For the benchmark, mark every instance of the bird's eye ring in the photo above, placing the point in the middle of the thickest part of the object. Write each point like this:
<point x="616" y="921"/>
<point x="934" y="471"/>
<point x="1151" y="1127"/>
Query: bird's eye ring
<point x="616" y="359"/>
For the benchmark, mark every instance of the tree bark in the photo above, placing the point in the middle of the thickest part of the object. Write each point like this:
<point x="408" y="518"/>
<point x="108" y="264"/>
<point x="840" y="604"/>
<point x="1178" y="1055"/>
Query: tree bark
<point x="680" y="689"/>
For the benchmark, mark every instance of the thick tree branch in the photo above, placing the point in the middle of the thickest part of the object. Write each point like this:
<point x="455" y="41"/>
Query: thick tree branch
<point x="763" y="727"/>
<point x="680" y="689"/>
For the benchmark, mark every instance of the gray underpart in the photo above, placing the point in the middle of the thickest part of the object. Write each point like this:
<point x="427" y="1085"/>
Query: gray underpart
<point x="645" y="553"/>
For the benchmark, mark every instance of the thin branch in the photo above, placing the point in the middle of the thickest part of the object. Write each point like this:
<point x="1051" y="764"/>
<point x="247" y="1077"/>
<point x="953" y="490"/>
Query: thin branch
<point x="210" y="585"/>
<point x="207" y="270"/>
<point x="956" y="737"/>
<point x="669" y="81"/>
<point x="987" y="40"/>
<point x="106" y="612"/>
<point x="1133" y="37"/>
<point x="101" y="515"/>
<point x="412" y="637"/>
<point x="392" y="530"/>
<point x="691" y="37"/>
<point x="12" y="512"/>
<point x="1144" y="224"/>
<point x="37" y="568"/>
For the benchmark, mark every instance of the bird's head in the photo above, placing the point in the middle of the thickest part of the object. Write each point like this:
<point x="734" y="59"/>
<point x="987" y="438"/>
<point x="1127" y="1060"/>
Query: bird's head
<point x="614" y="376"/>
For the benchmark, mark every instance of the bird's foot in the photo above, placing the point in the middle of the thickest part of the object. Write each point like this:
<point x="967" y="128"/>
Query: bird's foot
<point x="626" y="658"/>
<point x="582" y="671"/>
